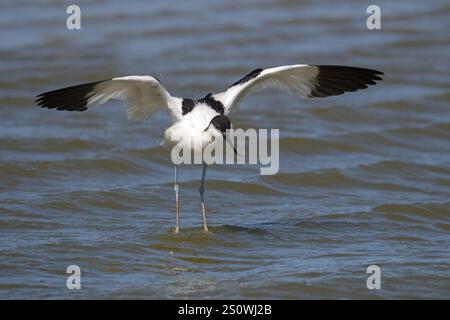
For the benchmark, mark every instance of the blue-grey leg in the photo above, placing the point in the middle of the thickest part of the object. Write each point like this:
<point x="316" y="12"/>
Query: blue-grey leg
<point x="177" y="204"/>
<point x="202" y="190"/>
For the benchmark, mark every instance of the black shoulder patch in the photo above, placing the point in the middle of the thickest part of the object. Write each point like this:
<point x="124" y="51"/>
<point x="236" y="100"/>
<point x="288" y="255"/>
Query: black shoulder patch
<point x="213" y="103"/>
<point x="248" y="77"/>
<point x="187" y="105"/>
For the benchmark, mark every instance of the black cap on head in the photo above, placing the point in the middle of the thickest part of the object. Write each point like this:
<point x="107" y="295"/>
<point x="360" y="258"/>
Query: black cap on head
<point x="221" y="123"/>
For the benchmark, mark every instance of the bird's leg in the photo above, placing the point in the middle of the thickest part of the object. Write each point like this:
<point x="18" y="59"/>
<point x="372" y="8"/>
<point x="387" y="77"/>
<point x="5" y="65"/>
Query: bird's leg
<point x="177" y="204"/>
<point x="202" y="190"/>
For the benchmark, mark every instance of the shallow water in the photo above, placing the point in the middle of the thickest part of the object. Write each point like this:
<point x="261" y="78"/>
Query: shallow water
<point x="364" y="177"/>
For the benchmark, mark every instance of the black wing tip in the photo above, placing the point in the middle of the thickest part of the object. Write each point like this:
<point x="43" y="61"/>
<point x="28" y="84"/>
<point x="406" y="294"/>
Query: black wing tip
<point x="73" y="98"/>
<point x="336" y="80"/>
<point x="354" y="71"/>
<point x="48" y="102"/>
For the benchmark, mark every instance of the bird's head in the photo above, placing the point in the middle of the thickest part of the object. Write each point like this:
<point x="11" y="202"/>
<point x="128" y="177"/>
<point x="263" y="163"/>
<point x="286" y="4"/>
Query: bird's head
<point x="218" y="127"/>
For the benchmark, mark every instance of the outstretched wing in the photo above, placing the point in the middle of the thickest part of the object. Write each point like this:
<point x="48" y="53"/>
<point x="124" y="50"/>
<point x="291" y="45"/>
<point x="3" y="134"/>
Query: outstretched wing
<point x="143" y="96"/>
<point x="305" y="81"/>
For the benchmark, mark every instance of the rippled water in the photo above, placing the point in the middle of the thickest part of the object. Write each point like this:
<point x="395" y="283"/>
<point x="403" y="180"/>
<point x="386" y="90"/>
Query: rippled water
<point x="364" y="177"/>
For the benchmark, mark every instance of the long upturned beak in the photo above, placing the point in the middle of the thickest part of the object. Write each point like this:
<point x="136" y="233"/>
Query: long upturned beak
<point x="230" y="143"/>
<point x="207" y="127"/>
<point x="226" y="138"/>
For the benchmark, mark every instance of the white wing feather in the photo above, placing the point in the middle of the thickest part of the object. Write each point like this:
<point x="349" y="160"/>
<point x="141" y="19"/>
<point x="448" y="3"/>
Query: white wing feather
<point x="295" y="79"/>
<point x="143" y="95"/>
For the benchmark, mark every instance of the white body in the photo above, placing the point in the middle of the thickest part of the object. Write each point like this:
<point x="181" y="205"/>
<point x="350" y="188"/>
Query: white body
<point x="189" y="131"/>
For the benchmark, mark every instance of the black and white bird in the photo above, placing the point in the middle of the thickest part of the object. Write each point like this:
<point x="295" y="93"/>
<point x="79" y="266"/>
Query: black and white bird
<point x="206" y="118"/>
